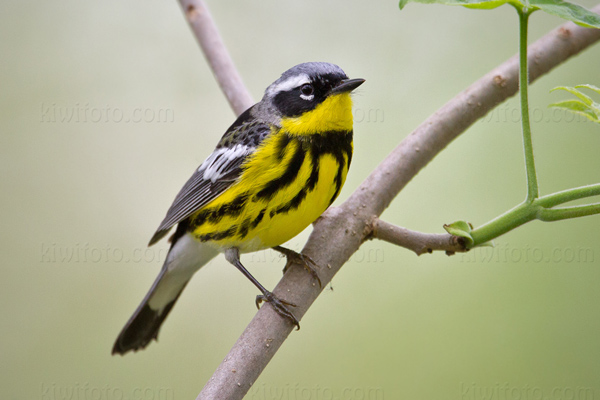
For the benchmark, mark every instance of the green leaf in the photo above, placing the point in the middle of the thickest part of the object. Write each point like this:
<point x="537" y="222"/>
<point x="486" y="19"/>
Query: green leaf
<point x="586" y="107"/>
<point x="586" y="99"/>
<point x="487" y="5"/>
<point x="578" y="107"/>
<point x="482" y="4"/>
<point x="591" y="87"/>
<point x="569" y="11"/>
<point x="461" y="229"/>
<point x="560" y="8"/>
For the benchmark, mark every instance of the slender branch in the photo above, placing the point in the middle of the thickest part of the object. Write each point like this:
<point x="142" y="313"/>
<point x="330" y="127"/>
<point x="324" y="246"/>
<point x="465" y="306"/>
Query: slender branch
<point x="418" y="242"/>
<point x="540" y="209"/>
<point x="341" y="230"/>
<point x="532" y="184"/>
<point x="216" y="54"/>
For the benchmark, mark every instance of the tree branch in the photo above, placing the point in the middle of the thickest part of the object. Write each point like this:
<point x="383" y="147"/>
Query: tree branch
<point x="341" y="230"/>
<point x="216" y="54"/>
<point x="418" y="242"/>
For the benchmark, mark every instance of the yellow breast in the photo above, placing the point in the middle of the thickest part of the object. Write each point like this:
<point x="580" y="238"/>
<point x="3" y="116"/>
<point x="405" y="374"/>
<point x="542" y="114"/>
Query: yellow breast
<point x="279" y="227"/>
<point x="290" y="180"/>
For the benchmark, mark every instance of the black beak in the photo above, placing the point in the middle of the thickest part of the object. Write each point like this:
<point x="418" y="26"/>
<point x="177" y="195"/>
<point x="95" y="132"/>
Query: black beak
<point x="347" y="85"/>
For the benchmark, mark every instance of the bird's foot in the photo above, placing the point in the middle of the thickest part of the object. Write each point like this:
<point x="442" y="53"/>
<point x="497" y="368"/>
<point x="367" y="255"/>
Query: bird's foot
<point x="279" y="306"/>
<point x="299" y="258"/>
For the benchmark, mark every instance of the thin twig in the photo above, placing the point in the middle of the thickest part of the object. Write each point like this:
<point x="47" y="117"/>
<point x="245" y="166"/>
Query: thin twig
<point x="216" y="54"/>
<point x="341" y="230"/>
<point x="418" y="242"/>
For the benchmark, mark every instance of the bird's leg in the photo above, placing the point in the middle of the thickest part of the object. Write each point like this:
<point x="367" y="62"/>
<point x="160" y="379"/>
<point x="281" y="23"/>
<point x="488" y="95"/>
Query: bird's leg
<point x="233" y="256"/>
<point x="299" y="258"/>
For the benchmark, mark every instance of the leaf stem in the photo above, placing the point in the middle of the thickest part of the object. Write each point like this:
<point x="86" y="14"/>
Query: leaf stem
<point x="540" y="209"/>
<point x="564" y="196"/>
<point x="532" y="184"/>
<point x="557" y="214"/>
<point x="533" y="207"/>
<point x="506" y="222"/>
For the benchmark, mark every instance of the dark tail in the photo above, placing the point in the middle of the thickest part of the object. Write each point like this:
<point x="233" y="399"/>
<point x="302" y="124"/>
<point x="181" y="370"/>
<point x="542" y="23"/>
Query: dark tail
<point x="184" y="259"/>
<point x="144" y="324"/>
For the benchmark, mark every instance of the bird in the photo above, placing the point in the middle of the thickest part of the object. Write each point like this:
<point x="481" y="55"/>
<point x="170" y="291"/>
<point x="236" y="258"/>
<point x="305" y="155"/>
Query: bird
<point x="276" y="169"/>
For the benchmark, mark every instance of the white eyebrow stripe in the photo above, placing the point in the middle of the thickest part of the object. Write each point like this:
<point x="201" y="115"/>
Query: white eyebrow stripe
<point x="288" y="84"/>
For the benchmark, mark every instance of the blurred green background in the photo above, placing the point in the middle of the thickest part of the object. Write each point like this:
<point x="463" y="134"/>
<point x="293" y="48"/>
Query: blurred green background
<point x="106" y="109"/>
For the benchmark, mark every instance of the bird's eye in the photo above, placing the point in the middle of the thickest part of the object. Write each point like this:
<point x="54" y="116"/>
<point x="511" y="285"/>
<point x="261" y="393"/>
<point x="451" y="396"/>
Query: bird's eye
<point x="307" y="89"/>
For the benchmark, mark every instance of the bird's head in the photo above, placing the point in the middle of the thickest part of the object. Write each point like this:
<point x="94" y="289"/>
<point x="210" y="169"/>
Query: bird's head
<point x="311" y="98"/>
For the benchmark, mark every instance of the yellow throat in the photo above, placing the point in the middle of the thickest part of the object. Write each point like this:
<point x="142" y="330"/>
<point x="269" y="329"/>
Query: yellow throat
<point x="333" y="114"/>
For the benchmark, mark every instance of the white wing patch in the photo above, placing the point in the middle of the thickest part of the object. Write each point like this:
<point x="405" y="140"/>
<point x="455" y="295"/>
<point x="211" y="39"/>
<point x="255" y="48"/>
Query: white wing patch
<point x="288" y="84"/>
<point x="220" y="161"/>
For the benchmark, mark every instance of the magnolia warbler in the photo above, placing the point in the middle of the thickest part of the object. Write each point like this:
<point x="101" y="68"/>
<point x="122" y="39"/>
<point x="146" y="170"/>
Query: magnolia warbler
<point x="274" y="172"/>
